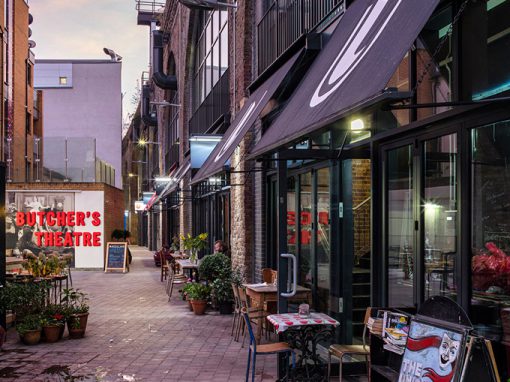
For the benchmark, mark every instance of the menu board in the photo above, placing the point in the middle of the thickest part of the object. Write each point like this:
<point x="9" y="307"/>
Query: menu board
<point x="116" y="257"/>
<point x="432" y="353"/>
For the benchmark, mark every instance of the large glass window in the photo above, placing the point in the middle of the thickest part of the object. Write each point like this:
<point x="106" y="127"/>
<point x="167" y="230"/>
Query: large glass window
<point x="323" y="239"/>
<point x="306" y="220"/>
<point x="211" y="59"/>
<point x="490" y="45"/>
<point x="400" y="226"/>
<point x="440" y="215"/>
<point x="490" y="233"/>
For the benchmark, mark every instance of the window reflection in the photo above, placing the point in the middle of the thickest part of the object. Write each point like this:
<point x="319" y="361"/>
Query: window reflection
<point x="323" y="239"/>
<point x="211" y="58"/>
<point x="440" y="215"/>
<point x="490" y="168"/>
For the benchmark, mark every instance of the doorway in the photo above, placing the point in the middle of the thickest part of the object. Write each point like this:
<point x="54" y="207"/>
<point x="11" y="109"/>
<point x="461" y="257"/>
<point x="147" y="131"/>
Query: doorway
<point x="420" y="219"/>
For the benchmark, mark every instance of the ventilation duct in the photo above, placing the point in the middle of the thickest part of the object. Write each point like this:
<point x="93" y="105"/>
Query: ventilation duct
<point x="162" y="80"/>
<point x="148" y="117"/>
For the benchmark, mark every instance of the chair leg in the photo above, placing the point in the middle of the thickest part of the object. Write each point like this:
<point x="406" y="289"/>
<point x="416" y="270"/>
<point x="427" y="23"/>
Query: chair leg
<point x="248" y="366"/>
<point x="171" y="290"/>
<point x="369" y="369"/>
<point x="329" y="365"/>
<point x="253" y="369"/>
<point x="340" y="368"/>
<point x="234" y="316"/>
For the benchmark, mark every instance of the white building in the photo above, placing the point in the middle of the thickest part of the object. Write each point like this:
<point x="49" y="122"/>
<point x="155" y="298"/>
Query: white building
<point x="82" y="100"/>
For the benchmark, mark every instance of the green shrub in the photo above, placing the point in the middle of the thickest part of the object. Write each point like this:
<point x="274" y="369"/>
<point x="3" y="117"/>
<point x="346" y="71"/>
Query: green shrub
<point x="197" y="291"/>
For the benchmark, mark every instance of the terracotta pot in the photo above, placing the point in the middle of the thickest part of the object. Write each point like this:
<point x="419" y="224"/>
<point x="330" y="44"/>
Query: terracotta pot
<point x="76" y="325"/>
<point x="52" y="333"/>
<point x="32" y="337"/>
<point x="199" y="306"/>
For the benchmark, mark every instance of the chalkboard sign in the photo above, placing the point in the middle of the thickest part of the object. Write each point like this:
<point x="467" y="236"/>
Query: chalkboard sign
<point x="116" y="257"/>
<point x="480" y="364"/>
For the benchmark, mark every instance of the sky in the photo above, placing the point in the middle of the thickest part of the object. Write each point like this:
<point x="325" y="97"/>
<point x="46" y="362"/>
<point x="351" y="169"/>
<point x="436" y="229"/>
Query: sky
<point x="80" y="29"/>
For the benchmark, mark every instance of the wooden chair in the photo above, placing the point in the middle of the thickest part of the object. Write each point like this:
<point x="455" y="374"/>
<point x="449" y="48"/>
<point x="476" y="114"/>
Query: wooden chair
<point x="164" y="266"/>
<point x="269" y="275"/>
<point x="340" y="351"/>
<point x="256" y="313"/>
<point x="172" y="279"/>
<point x="237" y="320"/>
<point x="272" y="348"/>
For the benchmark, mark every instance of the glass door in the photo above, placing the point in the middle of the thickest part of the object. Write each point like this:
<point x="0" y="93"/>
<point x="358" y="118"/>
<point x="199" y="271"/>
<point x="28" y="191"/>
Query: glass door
<point x="421" y="224"/>
<point x="400" y="226"/>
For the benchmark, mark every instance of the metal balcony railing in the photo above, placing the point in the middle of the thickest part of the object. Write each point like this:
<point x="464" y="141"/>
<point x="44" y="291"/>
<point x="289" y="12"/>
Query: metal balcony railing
<point x="286" y="21"/>
<point x="148" y="10"/>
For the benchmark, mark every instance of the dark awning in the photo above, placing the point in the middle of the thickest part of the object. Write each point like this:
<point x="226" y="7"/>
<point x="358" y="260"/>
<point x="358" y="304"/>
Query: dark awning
<point x="242" y="122"/>
<point x="353" y="68"/>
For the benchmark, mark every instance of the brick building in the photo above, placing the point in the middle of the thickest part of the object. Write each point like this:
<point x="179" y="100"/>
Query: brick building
<point x="365" y="155"/>
<point x="21" y="128"/>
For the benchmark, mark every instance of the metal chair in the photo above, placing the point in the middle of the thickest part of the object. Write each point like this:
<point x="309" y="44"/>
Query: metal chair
<point x="272" y="348"/>
<point x="164" y="265"/>
<point x="340" y="351"/>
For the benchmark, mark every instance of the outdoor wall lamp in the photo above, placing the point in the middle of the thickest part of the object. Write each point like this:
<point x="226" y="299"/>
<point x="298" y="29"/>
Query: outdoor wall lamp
<point x="164" y="103"/>
<point x="164" y="179"/>
<point x="357" y="125"/>
<point x="143" y="142"/>
<point x="131" y="175"/>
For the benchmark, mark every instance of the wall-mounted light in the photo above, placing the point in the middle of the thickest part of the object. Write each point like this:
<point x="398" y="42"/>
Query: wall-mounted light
<point x="143" y="142"/>
<point x="164" y="103"/>
<point x="357" y="125"/>
<point x="205" y="138"/>
<point x="164" y="179"/>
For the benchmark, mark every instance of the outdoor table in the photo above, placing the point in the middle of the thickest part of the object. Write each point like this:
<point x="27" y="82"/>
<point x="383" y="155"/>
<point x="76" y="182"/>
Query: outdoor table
<point x="191" y="267"/>
<point x="304" y="333"/>
<point x="262" y="293"/>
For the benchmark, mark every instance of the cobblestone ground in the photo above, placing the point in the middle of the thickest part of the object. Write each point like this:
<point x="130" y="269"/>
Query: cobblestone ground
<point x="134" y="334"/>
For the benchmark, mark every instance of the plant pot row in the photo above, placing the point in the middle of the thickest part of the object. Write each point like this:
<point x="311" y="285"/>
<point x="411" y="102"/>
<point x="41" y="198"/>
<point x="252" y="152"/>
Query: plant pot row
<point x="76" y="326"/>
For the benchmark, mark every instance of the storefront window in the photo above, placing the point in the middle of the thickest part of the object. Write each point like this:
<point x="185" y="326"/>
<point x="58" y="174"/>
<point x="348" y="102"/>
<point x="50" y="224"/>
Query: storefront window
<point x="440" y="215"/>
<point x="490" y="169"/>
<point x="490" y="45"/>
<point x="291" y="215"/>
<point x="400" y="227"/>
<point x="306" y="218"/>
<point x="323" y="239"/>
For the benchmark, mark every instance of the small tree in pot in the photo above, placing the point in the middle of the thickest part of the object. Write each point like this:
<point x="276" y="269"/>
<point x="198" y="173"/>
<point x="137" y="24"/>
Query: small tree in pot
<point x="216" y="269"/>
<point x="198" y="293"/>
<point x="77" y="312"/>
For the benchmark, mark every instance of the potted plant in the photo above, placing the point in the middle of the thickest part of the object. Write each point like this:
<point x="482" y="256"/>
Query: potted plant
<point x="29" y="329"/>
<point x="216" y="269"/>
<point x="77" y="312"/>
<point x="198" y="293"/>
<point x="194" y="244"/>
<point x="53" y="322"/>
<point x="185" y="294"/>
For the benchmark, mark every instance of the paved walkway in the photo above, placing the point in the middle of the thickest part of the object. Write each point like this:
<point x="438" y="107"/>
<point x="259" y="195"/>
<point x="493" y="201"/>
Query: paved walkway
<point x="134" y="334"/>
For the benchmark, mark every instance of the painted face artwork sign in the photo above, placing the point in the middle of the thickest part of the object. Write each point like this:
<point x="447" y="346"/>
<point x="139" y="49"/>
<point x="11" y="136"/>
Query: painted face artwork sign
<point x="432" y="354"/>
<point x="41" y="221"/>
<point x="366" y="33"/>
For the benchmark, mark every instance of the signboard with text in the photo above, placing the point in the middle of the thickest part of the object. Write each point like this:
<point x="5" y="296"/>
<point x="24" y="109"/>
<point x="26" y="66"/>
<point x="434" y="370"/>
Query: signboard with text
<point x="116" y="257"/>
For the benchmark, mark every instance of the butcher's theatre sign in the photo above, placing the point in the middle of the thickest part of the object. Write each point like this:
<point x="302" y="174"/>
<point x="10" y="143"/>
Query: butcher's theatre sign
<point x="70" y="223"/>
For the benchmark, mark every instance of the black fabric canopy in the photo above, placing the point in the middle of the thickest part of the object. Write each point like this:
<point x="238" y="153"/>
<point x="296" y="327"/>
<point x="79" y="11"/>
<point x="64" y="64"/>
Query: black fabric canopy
<point x="242" y="122"/>
<point x="353" y="68"/>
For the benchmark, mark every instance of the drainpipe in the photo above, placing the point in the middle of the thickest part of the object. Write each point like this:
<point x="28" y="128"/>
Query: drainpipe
<point x="162" y="80"/>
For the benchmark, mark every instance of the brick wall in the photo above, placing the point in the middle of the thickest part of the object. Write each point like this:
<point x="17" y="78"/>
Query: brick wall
<point x="20" y="92"/>
<point x="361" y="205"/>
<point x="242" y="180"/>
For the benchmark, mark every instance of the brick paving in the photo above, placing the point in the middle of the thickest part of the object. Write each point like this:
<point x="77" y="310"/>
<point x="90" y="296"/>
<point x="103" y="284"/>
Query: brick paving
<point x="134" y="334"/>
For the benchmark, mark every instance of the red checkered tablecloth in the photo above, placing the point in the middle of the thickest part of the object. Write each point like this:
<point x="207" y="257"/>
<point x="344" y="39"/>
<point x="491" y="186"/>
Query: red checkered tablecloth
<point x="282" y="322"/>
